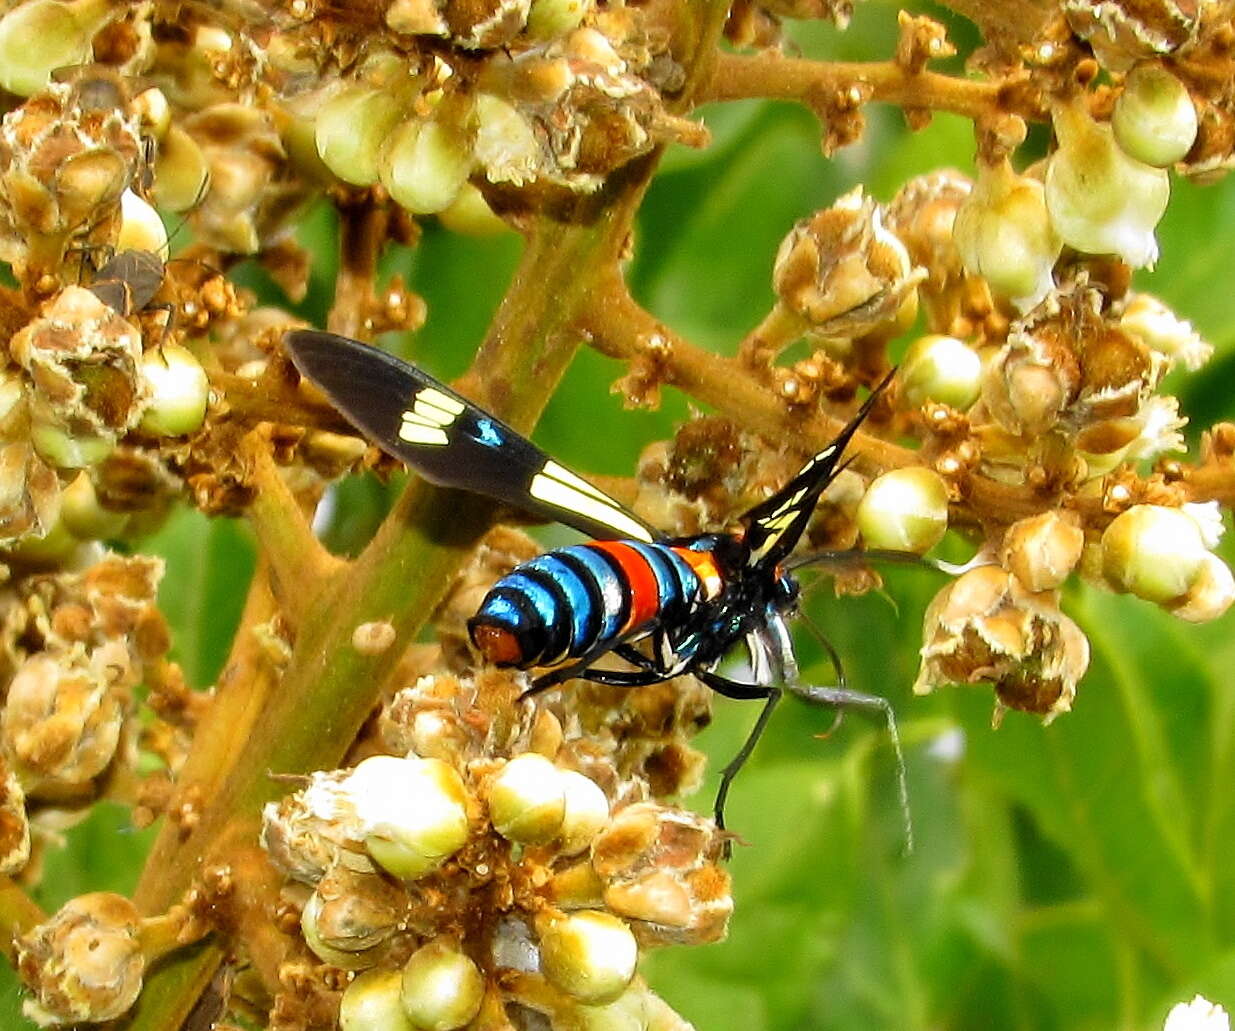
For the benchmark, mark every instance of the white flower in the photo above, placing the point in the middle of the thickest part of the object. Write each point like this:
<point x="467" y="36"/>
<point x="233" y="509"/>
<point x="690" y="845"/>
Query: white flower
<point x="1160" y="428"/>
<point x="1198" y="1015"/>
<point x="1208" y="517"/>
<point x="1160" y="328"/>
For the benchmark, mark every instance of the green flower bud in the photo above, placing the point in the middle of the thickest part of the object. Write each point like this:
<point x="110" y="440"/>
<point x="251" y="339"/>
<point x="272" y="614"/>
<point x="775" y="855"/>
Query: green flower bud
<point x="62" y="449"/>
<point x="414" y="812"/>
<point x="943" y="369"/>
<point x="587" y="812"/>
<point x="1154" y="118"/>
<point x="1101" y="201"/>
<point x="527" y="799"/>
<point x="373" y="1002"/>
<point x="506" y="147"/>
<point x="84" y="517"/>
<point x="548" y="19"/>
<point x="1003" y="233"/>
<point x="425" y="166"/>
<point x="351" y="130"/>
<point x="589" y="954"/>
<point x="441" y="988"/>
<point x="179" y="391"/>
<point x="180" y="171"/>
<point x="1154" y="552"/>
<point x="904" y="510"/>
<point x="40" y="36"/>
<point x="469" y="213"/>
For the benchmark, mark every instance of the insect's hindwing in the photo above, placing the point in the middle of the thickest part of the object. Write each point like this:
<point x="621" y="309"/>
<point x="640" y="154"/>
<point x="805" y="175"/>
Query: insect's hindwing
<point x="448" y="440"/>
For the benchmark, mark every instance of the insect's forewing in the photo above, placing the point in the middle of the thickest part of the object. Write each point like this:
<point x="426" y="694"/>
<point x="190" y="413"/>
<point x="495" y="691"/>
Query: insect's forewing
<point x="448" y="440"/>
<point x="773" y="527"/>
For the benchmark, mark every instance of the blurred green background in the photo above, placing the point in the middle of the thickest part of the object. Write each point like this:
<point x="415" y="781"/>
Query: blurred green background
<point x="1077" y="876"/>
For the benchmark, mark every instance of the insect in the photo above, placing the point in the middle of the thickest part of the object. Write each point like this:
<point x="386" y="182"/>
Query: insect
<point x="688" y="600"/>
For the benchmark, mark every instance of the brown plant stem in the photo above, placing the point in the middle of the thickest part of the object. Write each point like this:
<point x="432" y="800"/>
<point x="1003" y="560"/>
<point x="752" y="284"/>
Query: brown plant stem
<point x="772" y="76"/>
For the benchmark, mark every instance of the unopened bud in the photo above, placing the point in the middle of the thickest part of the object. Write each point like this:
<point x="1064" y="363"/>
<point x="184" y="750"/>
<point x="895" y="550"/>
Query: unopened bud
<point x="141" y="229"/>
<point x="351" y="130"/>
<point x="1154" y="119"/>
<point x="373" y="1002"/>
<point x="940" y="368"/>
<point x="1101" y="201"/>
<point x="65" y="450"/>
<point x="548" y="19"/>
<point x="587" y="812"/>
<point x="904" y="510"/>
<point x="469" y="213"/>
<point x="1153" y="552"/>
<point x="181" y="171"/>
<point x="84" y="517"/>
<point x="527" y="799"/>
<point x="441" y="988"/>
<point x="588" y="954"/>
<point x="425" y="166"/>
<point x="179" y="391"/>
<point x="1004" y="234"/>
<point x="413" y="811"/>
<point x="40" y="36"/>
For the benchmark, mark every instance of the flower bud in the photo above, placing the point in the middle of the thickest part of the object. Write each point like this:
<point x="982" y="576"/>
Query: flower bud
<point x="1154" y="552"/>
<point x="413" y="812"/>
<point x="904" y="510"/>
<point x="636" y="1009"/>
<point x="441" y="988"/>
<point x="1040" y="551"/>
<point x="141" y="229"/>
<point x="587" y="812"/>
<point x="84" y="517"/>
<point x="588" y="954"/>
<point x="351" y="130"/>
<point x="180" y="171"/>
<point x="1160" y="329"/>
<point x="1210" y="595"/>
<point x="1101" y="201"/>
<point x="425" y="165"/>
<point x="65" y="450"/>
<point x="469" y="213"/>
<point x="373" y="1002"/>
<point x="940" y="368"/>
<point x="1154" y="119"/>
<point x="179" y="391"/>
<point x="85" y="963"/>
<point x="505" y="146"/>
<point x="350" y="915"/>
<point x="527" y="799"/>
<point x="548" y="19"/>
<point x="1004" y="234"/>
<point x="40" y="36"/>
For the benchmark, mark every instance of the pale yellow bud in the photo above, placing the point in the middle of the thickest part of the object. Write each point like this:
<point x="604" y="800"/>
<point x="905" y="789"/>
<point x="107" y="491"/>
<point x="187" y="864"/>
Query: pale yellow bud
<point x="425" y="166"/>
<point x="943" y="369"/>
<point x="1154" y="119"/>
<point x="1210" y="595"/>
<point x="141" y="229"/>
<point x="441" y="988"/>
<point x="373" y="1002"/>
<point x="904" y="510"/>
<point x="588" y="954"/>
<point x="1154" y="552"/>
<point x="40" y="36"/>
<point x="351" y="130"/>
<point x="179" y="391"/>
<point x="587" y="812"/>
<point x="1040" y="551"/>
<point x="527" y="799"/>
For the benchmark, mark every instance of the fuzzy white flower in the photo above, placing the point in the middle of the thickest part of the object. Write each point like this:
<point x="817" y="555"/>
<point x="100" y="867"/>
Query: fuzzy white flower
<point x="1198" y="1015"/>
<point x="1161" y="424"/>
<point x="1162" y="330"/>
<point x="1208" y="517"/>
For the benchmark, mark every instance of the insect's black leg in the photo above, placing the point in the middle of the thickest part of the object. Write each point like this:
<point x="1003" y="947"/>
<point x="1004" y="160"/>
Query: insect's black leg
<point x="623" y="677"/>
<point x="635" y="657"/>
<point x="742" y="692"/>
<point x="842" y="698"/>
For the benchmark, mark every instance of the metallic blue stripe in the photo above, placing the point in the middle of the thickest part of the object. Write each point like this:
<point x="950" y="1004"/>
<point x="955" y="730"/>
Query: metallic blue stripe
<point x="581" y="608"/>
<point x="613" y="590"/>
<point x="677" y="582"/>
<point x="541" y="598"/>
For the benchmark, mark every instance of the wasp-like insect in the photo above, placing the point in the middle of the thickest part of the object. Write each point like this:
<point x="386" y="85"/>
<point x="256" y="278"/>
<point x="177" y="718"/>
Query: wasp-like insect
<point x="688" y="600"/>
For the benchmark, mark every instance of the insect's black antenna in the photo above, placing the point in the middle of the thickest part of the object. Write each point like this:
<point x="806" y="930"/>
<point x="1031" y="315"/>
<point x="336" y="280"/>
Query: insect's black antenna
<point x="843" y="698"/>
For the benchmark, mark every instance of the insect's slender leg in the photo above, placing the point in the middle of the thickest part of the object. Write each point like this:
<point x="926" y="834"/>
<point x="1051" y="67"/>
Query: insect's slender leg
<point x="743" y="692"/>
<point x="874" y="705"/>
<point x="622" y="677"/>
<point x="635" y="657"/>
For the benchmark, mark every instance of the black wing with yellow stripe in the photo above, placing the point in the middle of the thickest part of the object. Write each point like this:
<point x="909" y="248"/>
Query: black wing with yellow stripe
<point x="448" y="440"/>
